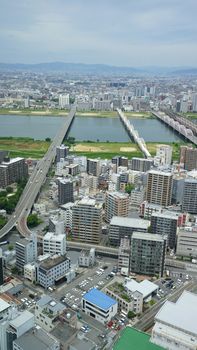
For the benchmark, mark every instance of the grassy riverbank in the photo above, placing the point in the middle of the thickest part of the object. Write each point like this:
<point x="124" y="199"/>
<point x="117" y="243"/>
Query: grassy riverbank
<point x="24" y="147"/>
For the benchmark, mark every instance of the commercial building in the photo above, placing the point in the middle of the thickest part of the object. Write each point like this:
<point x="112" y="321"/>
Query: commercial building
<point x="36" y="338"/>
<point x="54" y="243"/>
<point x="159" y="187"/>
<point x="187" y="242"/>
<point x="189" y="202"/>
<point x="61" y="152"/>
<point x="12" y="170"/>
<point x="121" y="227"/>
<point x="148" y="252"/>
<point x="116" y="204"/>
<point x="87" y="258"/>
<point x="26" y="251"/>
<point x="141" y="164"/>
<point x="65" y="191"/>
<point x="51" y="270"/>
<point x="166" y="224"/>
<point x="175" y="326"/>
<point x="188" y="157"/>
<point x="47" y="311"/>
<point x="93" y="167"/>
<point x="99" y="306"/>
<point x="87" y="221"/>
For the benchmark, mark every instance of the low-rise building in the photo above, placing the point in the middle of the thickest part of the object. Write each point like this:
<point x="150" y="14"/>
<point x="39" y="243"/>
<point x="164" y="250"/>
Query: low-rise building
<point x="99" y="305"/>
<point x="146" y="288"/>
<point x="187" y="242"/>
<point x="87" y="258"/>
<point x="36" y="338"/>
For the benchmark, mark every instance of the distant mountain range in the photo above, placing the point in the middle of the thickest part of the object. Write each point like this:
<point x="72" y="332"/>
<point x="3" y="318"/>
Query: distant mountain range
<point x="97" y="69"/>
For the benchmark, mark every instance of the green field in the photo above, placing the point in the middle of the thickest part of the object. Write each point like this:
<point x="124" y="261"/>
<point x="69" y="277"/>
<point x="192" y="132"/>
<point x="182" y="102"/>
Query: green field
<point x="24" y="147"/>
<point x="191" y="115"/>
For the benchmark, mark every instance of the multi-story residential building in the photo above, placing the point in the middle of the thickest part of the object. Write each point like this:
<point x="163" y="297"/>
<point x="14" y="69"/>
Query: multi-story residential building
<point x="121" y="227"/>
<point x="26" y="251"/>
<point x="124" y="255"/>
<point x="159" y="187"/>
<point x="188" y="157"/>
<point x="116" y="204"/>
<point x="12" y="170"/>
<point x="99" y="305"/>
<point x="93" y="167"/>
<point x="61" y="152"/>
<point x="166" y="224"/>
<point x="141" y="164"/>
<point x="87" y="221"/>
<point x="137" y="196"/>
<point x="189" y="202"/>
<point x="187" y="242"/>
<point x="147" y="209"/>
<point x="87" y="258"/>
<point x="163" y="155"/>
<point x="175" y="326"/>
<point x="36" y="338"/>
<point x="52" y="270"/>
<point x="65" y="191"/>
<point x="148" y="252"/>
<point x="66" y="215"/>
<point x="64" y="101"/>
<point x="54" y="243"/>
<point x="177" y="189"/>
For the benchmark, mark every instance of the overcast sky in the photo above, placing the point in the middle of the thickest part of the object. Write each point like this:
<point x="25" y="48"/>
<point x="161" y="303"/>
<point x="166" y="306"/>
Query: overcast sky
<point x="115" y="32"/>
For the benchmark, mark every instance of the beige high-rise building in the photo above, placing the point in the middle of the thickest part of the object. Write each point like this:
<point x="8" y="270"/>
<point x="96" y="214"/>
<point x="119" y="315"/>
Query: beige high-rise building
<point x="87" y="221"/>
<point x="116" y="204"/>
<point x="159" y="187"/>
<point x="188" y="157"/>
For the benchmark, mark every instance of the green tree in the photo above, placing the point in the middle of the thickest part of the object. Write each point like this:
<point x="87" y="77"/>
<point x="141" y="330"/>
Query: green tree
<point x="33" y="220"/>
<point x="3" y="221"/>
<point x="131" y="315"/>
<point x="9" y="189"/>
<point x="48" y="139"/>
<point x="129" y="187"/>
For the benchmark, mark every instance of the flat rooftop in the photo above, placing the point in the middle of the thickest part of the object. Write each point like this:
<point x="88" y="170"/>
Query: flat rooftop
<point x="36" y="339"/>
<point x="25" y="316"/>
<point x="132" y="339"/>
<point x="3" y="305"/>
<point x="145" y="287"/>
<point x="182" y="314"/>
<point x="51" y="304"/>
<point x="130" y="222"/>
<point x="100" y="299"/>
<point x="53" y="261"/>
<point x="147" y="236"/>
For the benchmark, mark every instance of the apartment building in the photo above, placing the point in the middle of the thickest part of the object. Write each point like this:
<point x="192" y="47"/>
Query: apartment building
<point x="189" y="202"/>
<point x="159" y="187"/>
<point x="116" y="204"/>
<point x="12" y="170"/>
<point x="26" y="251"/>
<point x="65" y="191"/>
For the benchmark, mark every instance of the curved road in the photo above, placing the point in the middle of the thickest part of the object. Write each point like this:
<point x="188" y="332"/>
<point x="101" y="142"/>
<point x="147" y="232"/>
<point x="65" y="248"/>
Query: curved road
<point x="37" y="178"/>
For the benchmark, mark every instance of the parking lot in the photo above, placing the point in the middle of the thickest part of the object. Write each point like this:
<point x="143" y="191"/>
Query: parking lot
<point x="169" y="284"/>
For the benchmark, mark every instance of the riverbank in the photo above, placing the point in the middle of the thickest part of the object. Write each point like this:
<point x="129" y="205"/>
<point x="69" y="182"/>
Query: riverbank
<point x="59" y="112"/>
<point x="36" y="149"/>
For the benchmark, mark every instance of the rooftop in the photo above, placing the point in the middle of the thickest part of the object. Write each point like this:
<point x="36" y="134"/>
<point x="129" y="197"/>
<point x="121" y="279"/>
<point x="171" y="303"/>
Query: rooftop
<point x="3" y="305"/>
<point x="25" y="316"/>
<point x="130" y="222"/>
<point x="181" y="314"/>
<point x="167" y="214"/>
<point x="100" y="299"/>
<point x="36" y="339"/>
<point x="53" y="261"/>
<point x="52" y="305"/>
<point x="145" y="287"/>
<point x="148" y="236"/>
<point x="83" y="344"/>
<point x="132" y="339"/>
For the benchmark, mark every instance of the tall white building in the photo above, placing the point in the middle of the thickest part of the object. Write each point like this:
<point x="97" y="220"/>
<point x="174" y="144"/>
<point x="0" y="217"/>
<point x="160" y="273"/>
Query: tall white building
<point x="26" y="251"/>
<point x="54" y="243"/>
<point x="194" y="102"/>
<point x="163" y="155"/>
<point x="64" y="100"/>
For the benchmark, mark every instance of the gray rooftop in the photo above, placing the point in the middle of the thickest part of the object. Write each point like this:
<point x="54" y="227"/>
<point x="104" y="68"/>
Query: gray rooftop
<point x="36" y="339"/>
<point x="50" y="303"/>
<point x="53" y="261"/>
<point x="148" y="236"/>
<point x="83" y="344"/>
<point x="167" y="215"/>
<point x="130" y="222"/>
<point x="25" y="316"/>
<point x="182" y="314"/>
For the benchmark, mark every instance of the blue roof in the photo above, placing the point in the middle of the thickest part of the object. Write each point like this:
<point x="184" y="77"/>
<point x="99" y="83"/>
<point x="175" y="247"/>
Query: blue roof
<point x="99" y="299"/>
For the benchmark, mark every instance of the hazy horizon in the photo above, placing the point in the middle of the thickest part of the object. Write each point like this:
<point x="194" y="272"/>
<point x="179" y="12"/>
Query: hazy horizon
<point x="132" y="34"/>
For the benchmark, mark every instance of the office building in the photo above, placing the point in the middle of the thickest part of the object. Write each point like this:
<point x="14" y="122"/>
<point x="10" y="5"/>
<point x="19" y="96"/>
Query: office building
<point x="175" y="324"/>
<point x="87" y="221"/>
<point x="189" y="202"/>
<point x="12" y="170"/>
<point x="141" y="164"/>
<point x="116" y="204"/>
<point x="188" y="157"/>
<point x="65" y="191"/>
<point x="94" y="167"/>
<point x="159" y="188"/>
<point x="52" y="270"/>
<point x="54" y="243"/>
<point x="163" y="155"/>
<point x="121" y="227"/>
<point x="166" y="224"/>
<point x="187" y="242"/>
<point x="61" y="152"/>
<point x="64" y="101"/>
<point x="36" y="338"/>
<point x="26" y="251"/>
<point x="148" y="252"/>
<point x="99" y="305"/>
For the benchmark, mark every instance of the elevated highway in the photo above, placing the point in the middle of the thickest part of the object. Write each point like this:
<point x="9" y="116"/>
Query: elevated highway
<point x="36" y="180"/>
<point x="134" y="134"/>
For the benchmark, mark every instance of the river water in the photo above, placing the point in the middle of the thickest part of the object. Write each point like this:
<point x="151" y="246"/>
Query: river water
<point x="84" y="128"/>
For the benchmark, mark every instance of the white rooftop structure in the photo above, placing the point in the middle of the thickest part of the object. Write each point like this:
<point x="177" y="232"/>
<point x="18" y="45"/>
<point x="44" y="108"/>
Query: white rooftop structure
<point x="3" y="305"/>
<point x="146" y="288"/>
<point x="130" y="222"/>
